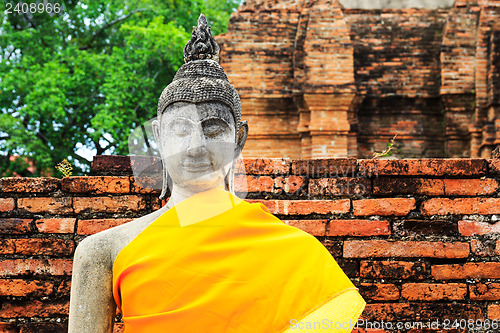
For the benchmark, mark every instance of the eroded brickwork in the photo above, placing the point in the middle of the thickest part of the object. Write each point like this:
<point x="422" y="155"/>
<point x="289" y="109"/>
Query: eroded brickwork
<point x="419" y="238"/>
<point x="343" y="82"/>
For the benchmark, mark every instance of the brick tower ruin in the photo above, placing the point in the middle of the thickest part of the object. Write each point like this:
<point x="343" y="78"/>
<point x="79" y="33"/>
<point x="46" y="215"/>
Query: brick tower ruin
<point x="318" y="79"/>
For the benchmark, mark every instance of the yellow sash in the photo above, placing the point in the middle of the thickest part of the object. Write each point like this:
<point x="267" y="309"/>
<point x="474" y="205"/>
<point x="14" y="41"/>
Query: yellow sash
<point x="215" y="263"/>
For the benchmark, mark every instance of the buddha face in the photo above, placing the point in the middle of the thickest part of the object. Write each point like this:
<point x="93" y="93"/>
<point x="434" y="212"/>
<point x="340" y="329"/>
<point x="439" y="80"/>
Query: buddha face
<point x="197" y="143"/>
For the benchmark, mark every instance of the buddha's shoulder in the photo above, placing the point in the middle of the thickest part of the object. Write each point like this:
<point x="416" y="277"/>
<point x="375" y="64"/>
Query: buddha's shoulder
<point x="104" y="246"/>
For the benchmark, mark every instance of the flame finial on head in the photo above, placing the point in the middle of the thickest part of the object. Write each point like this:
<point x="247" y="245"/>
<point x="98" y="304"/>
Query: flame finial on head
<point x="201" y="45"/>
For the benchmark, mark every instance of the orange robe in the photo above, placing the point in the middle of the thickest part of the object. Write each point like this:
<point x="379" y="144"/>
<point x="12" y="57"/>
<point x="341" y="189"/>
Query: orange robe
<point x="215" y="263"/>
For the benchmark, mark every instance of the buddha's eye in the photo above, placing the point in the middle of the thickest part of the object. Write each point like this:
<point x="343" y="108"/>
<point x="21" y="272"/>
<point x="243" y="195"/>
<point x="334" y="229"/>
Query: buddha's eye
<point x="179" y="127"/>
<point x="214" y="127"/>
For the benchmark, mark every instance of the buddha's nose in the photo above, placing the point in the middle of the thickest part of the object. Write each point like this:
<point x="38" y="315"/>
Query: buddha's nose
<point x="197" y="144"/>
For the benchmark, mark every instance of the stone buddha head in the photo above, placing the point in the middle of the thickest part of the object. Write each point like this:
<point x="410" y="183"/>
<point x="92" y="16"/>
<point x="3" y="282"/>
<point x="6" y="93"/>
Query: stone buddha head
<point x="199" y="132"/>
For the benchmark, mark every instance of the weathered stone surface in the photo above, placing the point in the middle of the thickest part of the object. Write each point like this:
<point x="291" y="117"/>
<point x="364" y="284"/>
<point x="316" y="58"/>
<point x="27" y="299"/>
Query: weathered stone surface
<point x="413" y="68"/>
<point x="382" y="4"/>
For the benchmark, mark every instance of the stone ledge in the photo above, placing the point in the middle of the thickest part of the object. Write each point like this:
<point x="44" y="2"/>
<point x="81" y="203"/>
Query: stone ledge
<point x="108" y="165"/>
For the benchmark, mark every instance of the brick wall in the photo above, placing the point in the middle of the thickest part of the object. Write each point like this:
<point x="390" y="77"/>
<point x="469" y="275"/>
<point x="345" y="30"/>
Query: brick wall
<point x="420" y="238"/>
<point x="345" y="81"/>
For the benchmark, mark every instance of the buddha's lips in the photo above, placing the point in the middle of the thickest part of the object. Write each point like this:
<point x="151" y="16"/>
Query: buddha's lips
<point x="197" y="166"/>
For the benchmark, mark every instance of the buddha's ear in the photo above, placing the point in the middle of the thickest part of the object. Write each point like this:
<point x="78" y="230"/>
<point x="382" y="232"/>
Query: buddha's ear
<point x="241" y="138"/>
<point x="156" y="131"/>
<point x="166" y="178"/>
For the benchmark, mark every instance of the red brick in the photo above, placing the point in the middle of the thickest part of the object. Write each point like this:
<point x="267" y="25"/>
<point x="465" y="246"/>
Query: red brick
<point x="434" y="291"/>
<point x="326" y="167"/>
<point x="379" y="291"/>
<point x="144" y="166"/>
<point x="240" y="183"/>
<point x="125" y="203"/>
<point x="428" y="227"/>
<point x="64" y="288"/>
<point x="486" y="248"/>
<point x="266" y="166"/>
<point x="470" y="187"/>
<point x="44" y="327"/>
<point x="369" y="330"/>
<point x="42" y="246"/>
<point x="56" y="226"/>
<point x="313" y="227"/>
<point x="8" y="328"/>
<point x="488" y="291"/>
<point x="258" y="184"/>
<point x="23" y="288"/>
<point x="271" y="205"/>
<point x="7" y="246"/>
<point x="156" y="203"/>
<point x="7" y="204"/>
<point x="117" y="165"/>
<point x="494" y="165"/>
<point x="14" y="226"/>
<point x="358" y="228"/>
<point x="146" y="185"/>
<point x="29" y="185"/>
<point x="426" y="167"/>
<point x="445" y="206"/>
<point x="403" y="270"/>
<point x="34" y="308"/>
<point x="340" y="186"/>
<point x="44" y="267"/>
<point x="90" y="227"/>
<point x="472" y="228"/>
<point x="434" y="324"/>
<point x="334" y="247"/>
<point x="382" y="248"/>
<point x="480" y="270"/>
<point x="386" y="206"/>
<point x="494" y="311"/>
<point x="350" y="267"/>
<point x="412" y="312"/>
<point x="118" y="328"/>
<point x="420" y="186"/>
<point x="96" y="184"/>
<point x="45" y="205"/>
<point x="386" y="312"/>
<point x="291" y="184"/>
<point x="305" y="207"/>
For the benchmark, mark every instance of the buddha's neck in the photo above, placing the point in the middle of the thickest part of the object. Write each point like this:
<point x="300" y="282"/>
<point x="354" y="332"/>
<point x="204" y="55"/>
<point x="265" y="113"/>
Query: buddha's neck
<point x="180" y="194"/>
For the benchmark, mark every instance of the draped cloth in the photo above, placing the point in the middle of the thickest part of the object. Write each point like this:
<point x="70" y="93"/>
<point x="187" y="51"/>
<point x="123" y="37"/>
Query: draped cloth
<point x="215" y="263"/>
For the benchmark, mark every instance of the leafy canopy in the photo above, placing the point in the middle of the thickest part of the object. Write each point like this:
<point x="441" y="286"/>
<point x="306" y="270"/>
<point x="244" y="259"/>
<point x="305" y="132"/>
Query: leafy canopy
<point x="84" y="78"/>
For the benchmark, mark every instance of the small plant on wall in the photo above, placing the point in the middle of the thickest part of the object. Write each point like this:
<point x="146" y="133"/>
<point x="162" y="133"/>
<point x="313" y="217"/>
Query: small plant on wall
<point x="65" y="168"/>
<point x="386" y="152"/>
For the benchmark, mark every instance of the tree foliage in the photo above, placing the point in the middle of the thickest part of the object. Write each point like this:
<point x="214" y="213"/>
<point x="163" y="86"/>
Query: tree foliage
<point x="87" y="76"/>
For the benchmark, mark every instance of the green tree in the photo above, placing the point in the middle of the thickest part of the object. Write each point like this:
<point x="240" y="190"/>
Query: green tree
<point x="87" y="76"/>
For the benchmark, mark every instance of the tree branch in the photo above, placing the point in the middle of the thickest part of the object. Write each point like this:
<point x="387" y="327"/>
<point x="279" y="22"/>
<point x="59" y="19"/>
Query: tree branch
<point x="110" y="143"/>
<point x="146" y="140"/>
<point x="42" y="137"/>
<point x="10" y="54"/>
<point x="70" y="123"/>
<point x="142" y="100"/>
<point x="97" y="147"/>
<point x="81" y="159"/>
<point x="110" y="24"/>
<point x="101" y="150"/>
<point x="38" y="134"/>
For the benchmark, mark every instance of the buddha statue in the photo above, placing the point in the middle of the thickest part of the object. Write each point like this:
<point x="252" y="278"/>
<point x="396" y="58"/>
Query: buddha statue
<point x="207" y="261"/>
